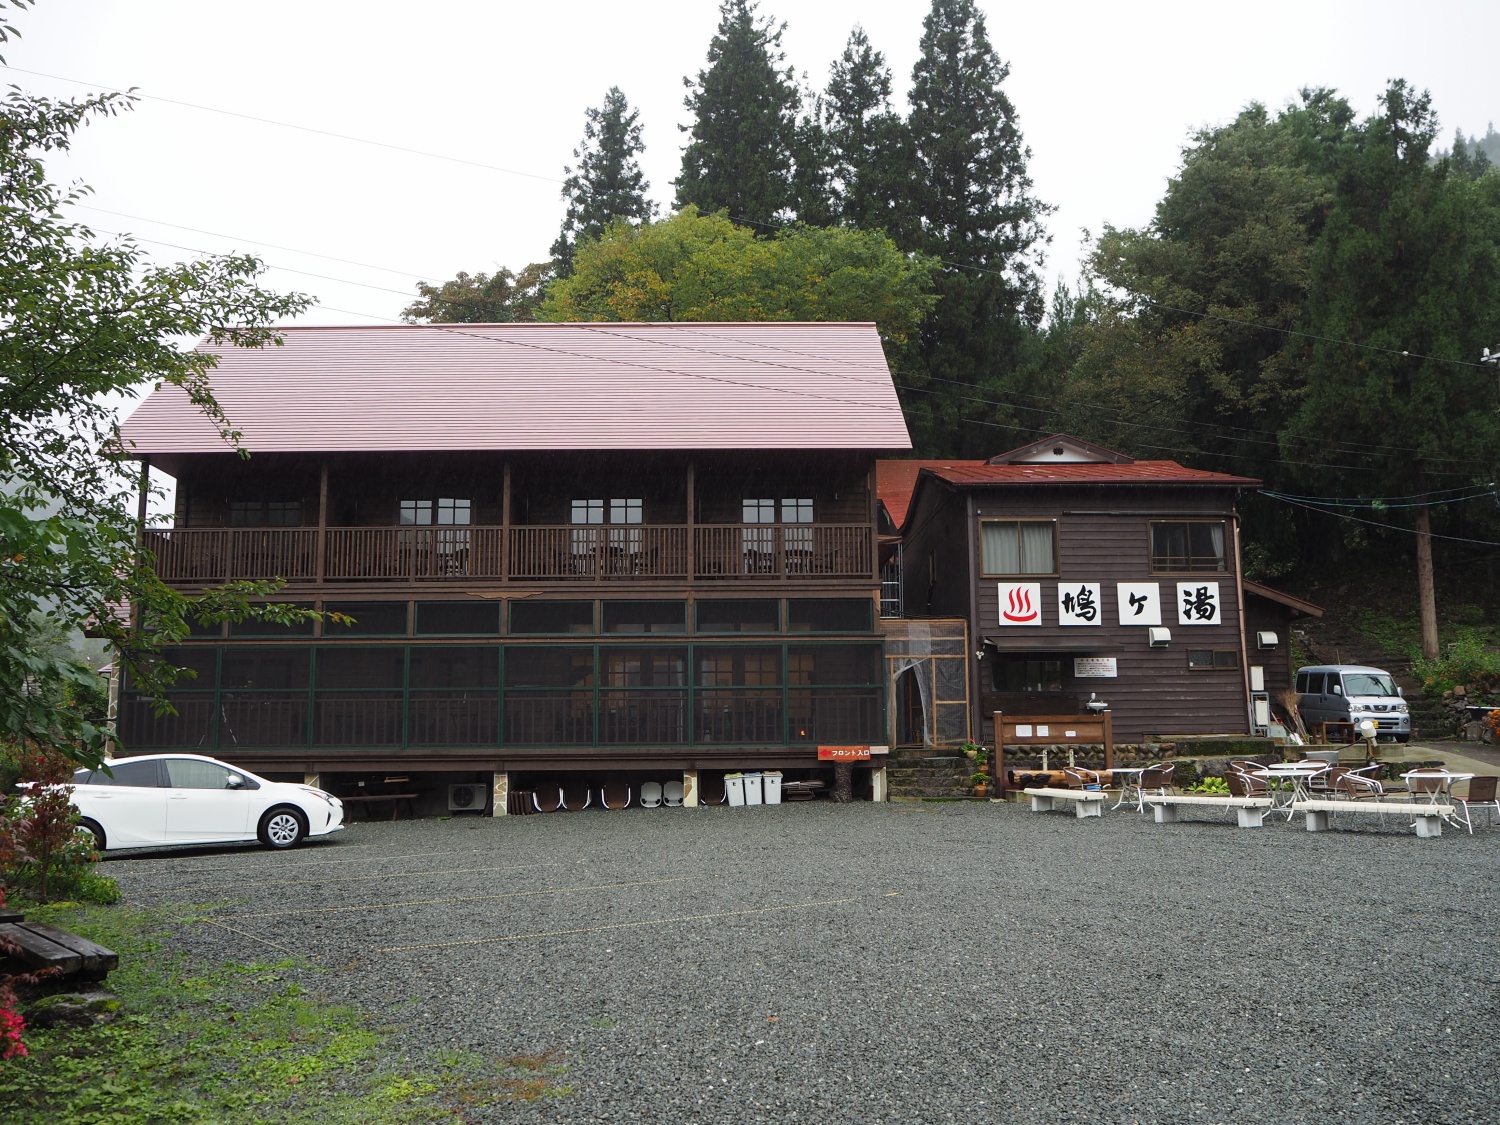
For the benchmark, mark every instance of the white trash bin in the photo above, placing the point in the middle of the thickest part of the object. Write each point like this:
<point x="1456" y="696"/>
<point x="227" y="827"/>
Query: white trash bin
<point x="754" y="794"/>
<point x="734" y="789"/>
<point x="771" y="784"/>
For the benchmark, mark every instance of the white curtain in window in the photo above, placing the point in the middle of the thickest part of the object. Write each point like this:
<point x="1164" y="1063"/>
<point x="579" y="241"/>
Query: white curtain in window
<point x="1001" y="548"/>
<point x="1036" y="548"/>
<point x="1216" y="536"/>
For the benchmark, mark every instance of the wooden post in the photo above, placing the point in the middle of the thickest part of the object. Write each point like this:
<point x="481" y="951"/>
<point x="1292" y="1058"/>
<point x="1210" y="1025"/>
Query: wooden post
<point x="322" y="565"/>
<point x="692" y="522"/>
<point x="500" y="794"/>
<point x="999" y="759"/>
<point x="505" y="526"/>
<point x="1109" y="741"/>
<point x="140" y="533"/>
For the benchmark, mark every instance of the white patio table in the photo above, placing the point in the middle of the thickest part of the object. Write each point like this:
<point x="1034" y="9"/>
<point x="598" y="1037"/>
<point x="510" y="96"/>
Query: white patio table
<point x="1130" y="785"/>
<point x="1297" y="774"/>
<point x="1446" y="779"/>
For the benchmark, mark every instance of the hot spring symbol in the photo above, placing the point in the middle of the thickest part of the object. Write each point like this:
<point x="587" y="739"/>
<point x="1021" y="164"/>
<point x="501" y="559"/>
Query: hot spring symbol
<point x="1018" y="599"/>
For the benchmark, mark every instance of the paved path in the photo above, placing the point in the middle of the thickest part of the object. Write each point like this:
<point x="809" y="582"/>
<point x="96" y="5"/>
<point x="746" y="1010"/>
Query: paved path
<point x="901" y="963"/>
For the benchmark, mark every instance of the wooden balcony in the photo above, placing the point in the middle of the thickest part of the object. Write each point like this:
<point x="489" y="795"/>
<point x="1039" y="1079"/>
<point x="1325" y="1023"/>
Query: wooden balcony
<point x="570" y="553"/>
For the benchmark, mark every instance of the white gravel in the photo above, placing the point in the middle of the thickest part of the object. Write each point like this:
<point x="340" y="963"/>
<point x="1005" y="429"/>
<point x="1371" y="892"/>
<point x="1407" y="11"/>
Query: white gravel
<point x="900" y="963"/>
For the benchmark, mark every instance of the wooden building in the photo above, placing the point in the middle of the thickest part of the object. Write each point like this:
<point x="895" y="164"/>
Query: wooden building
<point x="603" y="548"/>
<point x="1085" y="575"/>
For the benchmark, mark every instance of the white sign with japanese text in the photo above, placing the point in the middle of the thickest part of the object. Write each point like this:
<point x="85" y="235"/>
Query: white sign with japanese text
<point x="1198" y="603"/>
<point x="1020" y="603"/>
<point x="1096" y="668"/>
<point x="1140" y="603"/>
<point x="1078" y="604"/>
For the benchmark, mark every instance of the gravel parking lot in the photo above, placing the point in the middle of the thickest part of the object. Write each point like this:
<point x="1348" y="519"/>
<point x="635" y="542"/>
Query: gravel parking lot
<point x="898" y="963"/>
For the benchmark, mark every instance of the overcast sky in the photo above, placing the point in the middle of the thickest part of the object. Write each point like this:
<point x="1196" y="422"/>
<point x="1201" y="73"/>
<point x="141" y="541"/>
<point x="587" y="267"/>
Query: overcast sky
<point x="1107" y="94"/>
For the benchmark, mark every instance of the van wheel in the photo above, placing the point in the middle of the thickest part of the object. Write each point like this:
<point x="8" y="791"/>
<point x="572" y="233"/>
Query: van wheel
<point x="282" y="828"/>
<point x="1403" y="738"/>
<point x="95" y="829"/>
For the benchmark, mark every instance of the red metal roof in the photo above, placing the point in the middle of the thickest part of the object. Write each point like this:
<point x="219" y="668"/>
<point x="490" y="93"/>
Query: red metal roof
<point x="542" y="386"/>
<point x="897" y="480"/>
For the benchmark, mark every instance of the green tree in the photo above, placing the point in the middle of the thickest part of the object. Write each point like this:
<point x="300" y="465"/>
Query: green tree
<point x="866" y="139"/>
<point x="971" y="206"/>
<point x="694" y="267"/>
<point x="83" y="320"/>
<point x="740" y="157"/>
<point x="1404" y="292"/>
<point x="498" y="298"/>
<point x="607" y="183"/>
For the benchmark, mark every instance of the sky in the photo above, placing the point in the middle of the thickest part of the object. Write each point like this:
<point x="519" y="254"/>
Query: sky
<point x="1107" y="94"/>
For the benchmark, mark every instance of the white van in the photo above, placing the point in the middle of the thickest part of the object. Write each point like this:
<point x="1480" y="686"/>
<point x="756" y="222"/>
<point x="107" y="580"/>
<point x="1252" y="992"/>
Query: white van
<point x="1352" y="693"/>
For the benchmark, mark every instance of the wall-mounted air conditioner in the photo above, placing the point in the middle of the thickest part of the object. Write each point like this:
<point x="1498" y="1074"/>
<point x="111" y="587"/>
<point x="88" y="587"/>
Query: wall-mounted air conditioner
<point x="470" y="797"/>
<point x="1159" y="636"/>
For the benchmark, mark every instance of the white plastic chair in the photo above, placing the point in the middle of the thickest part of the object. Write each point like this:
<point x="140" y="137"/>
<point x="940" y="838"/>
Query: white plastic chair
<point x="650" y="794"/>
<point x="672" y="794"/>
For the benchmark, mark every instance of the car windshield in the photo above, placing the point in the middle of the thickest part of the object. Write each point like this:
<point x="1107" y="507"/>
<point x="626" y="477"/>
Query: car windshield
<point x="1367" y="683"/>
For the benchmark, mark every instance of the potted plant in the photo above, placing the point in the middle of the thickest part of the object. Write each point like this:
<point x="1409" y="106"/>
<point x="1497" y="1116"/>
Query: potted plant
<point x="981" y="783"/>
<point x="979" y="755"/>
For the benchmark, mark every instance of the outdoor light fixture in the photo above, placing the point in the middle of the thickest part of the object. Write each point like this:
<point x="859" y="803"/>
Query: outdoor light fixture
<point x="1159" y="636"/>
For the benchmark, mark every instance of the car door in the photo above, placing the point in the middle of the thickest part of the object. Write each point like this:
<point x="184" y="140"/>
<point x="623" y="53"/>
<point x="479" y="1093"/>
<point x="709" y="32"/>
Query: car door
<point x="1310" y="699"/>
<point x="128" y="803"/>
<point x="206" y="802"/>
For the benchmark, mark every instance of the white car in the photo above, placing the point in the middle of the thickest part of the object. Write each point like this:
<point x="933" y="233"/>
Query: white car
<point x="161" y="799"/>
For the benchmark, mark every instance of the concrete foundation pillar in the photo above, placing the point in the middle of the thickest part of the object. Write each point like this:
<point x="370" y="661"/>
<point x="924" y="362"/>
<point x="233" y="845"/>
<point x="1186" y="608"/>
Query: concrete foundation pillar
<point x="690" y="789"/>
<point x="879" y="791"/>
<point x="313" y="779"/>
<point x="499" y="794"/>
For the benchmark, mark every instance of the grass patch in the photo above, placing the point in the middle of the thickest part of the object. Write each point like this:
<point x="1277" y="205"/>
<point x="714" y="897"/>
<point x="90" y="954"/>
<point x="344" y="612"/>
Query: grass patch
<point x="237" y="1043"/>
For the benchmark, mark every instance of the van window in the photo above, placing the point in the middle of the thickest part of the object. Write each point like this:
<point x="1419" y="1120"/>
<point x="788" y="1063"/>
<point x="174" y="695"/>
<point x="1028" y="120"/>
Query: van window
<point x="1302" y="683"/>
<point x="1314" y="683"/>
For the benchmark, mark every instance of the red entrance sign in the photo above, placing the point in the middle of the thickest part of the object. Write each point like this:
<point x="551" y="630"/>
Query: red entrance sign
<point x="843" y="753"/>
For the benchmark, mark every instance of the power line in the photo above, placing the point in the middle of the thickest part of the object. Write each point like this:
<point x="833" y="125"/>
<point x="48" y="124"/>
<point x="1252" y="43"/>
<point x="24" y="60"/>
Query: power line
<point x="1380" y="505"/>
<point x="1385" y="526"/>
<point x="133" y="92"/>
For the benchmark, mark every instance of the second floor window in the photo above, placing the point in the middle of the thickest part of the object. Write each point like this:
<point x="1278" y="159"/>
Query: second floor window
<point x="621" y="510"/>
<point x="1011" y="547"/>
<point x="265" y="513"/>
<point x="445" y="512"/>
<point x="1188" y="547"/>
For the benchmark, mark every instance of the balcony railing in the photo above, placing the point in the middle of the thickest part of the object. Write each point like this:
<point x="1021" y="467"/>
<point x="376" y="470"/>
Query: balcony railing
<point x="608" y="553"/>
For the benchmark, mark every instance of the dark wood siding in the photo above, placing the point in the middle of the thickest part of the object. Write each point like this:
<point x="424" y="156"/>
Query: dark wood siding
<point x="1103" y="536"/>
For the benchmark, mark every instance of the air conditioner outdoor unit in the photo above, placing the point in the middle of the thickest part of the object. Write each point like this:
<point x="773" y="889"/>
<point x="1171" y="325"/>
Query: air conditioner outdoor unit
<point x="1158" y="636"/>
<point x="1266" y="640"/>
<point x="467" y="798"/>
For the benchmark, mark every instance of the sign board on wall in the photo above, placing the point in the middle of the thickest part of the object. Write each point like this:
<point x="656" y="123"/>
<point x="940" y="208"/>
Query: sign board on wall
<point x="1140" y="603"/>
<point x="1198" y="603"/>
<point x="1096" y="667"/>
<point x="843" y="753"/>
<point x="1078" y="604"/>
<point x="1020" y="603"/>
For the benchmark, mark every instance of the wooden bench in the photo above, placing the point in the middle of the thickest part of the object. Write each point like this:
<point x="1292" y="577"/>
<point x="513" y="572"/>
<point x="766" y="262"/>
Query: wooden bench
<point x="1251" y="810"/>
<point x="1429" y="817"/>
<point x="1086" y="802"/>
<point x="46" y="947"/>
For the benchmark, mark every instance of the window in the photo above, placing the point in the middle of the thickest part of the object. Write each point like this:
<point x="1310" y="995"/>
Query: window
<point x="453" y="697"/>
<point x="625" y="511"/>
<point x="1021" y="674"/>
<point x="549" y="696"/>
<point x="834" y="695"/>
<point x="1188" y="547"/>
<point x="263" y="696"/>
<point x="268" y="668"/>
<point x="1203" y="659"/>
<point x="643" y="697"/>
<point x="1012" y="547"/>
<point x="142" y="775"/>
<point x="445" y="512"/>
<point x="645" y="617"/>
<point x="185" y="773"/>
<point x="452" y="619"/>
<point x="371" y="619"/>
<point x="551" y="617"/>
<point x="758" y="511"/>
<point x="828" y="615"/>
<point x="797" y="511"/>
<point x="358" y="700"/>
<point x="760" y="615"/>
<point x="265" y="513"/>
<point x="739" y="696"/>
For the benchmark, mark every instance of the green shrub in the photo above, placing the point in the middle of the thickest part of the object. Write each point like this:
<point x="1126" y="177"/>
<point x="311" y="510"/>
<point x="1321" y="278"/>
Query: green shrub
<point x="1210" y="785"/>
<point x="1467" y="662"/>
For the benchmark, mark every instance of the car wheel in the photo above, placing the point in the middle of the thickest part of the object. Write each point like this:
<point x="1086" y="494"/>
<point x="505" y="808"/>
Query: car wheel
<point x="282" y="828"/>
<point x="95" y="829"/>
<point x="1403" y="738"/>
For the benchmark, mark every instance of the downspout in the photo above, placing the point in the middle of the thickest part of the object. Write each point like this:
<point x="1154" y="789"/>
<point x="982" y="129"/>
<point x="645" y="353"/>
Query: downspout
<point x="972" y="598"/>
<point x="1239" y="593"/>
